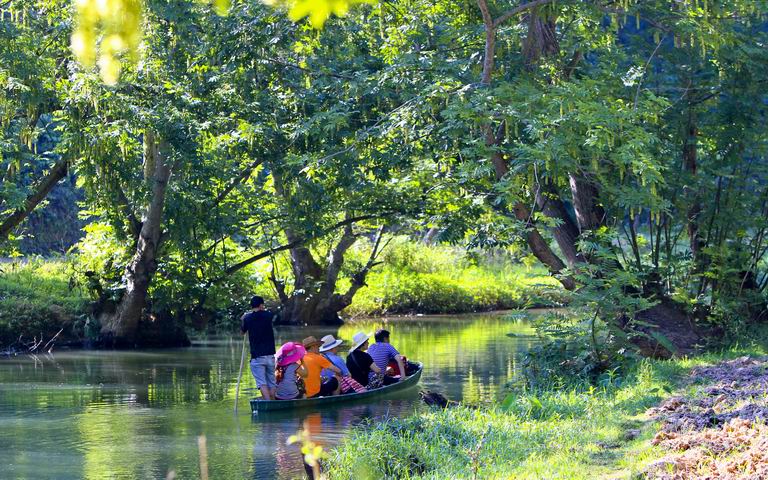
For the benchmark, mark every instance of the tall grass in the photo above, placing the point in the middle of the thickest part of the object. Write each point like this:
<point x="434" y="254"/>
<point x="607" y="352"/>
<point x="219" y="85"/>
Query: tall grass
<point x="418" y="278"/>
<point x="579" y="433"/>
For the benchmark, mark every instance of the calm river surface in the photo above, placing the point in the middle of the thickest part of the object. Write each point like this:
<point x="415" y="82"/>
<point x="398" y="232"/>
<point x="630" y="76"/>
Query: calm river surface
<point x="139" y="414"/>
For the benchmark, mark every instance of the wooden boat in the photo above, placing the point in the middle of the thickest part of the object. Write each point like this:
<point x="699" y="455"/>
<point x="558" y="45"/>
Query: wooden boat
<point x="259" y="405"/>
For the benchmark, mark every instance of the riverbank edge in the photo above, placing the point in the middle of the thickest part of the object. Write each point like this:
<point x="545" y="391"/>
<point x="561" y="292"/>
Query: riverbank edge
<point x="30" y="319"/>
<point x="80" y="344"/>
<point x="577" y="433"/>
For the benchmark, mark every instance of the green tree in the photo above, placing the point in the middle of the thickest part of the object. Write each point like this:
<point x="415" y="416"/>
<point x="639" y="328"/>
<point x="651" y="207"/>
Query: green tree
<point x="30" y="103"/>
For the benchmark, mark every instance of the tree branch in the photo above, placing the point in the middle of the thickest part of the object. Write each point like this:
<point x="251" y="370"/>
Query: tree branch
<point x="518" y="10"/>
<point x="298" y="241"/>
<point x="238" y="180"/>
<point x="278" y="284"/>
<point x="43" y="188"/>
<point x="341" y="301"/>
<point x="538" y="245"/>
<point x="490" y="42"/>
<point x="134" y="224"/>
<point x="336" y="259"/>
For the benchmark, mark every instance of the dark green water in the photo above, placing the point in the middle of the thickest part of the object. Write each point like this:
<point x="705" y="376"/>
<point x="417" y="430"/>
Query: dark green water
<point x="139" y="414"/>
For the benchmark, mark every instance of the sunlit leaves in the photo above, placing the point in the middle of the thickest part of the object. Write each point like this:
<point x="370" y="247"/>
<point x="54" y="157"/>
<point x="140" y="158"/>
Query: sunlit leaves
<point x="105" y="30"/>
<point x="109" y="30"/>
<point x="318" y="11"/>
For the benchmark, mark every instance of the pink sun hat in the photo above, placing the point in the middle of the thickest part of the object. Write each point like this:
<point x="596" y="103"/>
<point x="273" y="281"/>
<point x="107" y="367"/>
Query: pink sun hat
<point x="290" y="352"/>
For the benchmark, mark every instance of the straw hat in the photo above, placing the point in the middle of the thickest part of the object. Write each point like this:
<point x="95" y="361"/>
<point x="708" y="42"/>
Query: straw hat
<point x="358" y="340"/>
<point x="329" y="343"/>
<point x="310" y="341"/>
<point x="289" y="353"/>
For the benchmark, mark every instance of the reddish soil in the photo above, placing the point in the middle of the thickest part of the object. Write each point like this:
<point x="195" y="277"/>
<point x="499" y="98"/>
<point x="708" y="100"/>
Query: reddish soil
<point x="720" y="433"/>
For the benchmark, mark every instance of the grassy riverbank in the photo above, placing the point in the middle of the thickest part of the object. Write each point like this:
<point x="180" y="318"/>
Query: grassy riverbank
<point x="40" y="297"/>
<point x="418" y="278"/>
<point x="37" y="299"/>
<point x="575" y="433"/>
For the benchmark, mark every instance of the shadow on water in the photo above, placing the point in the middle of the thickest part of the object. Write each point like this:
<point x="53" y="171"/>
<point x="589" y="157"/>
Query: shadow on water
<point x="138" y="414"/>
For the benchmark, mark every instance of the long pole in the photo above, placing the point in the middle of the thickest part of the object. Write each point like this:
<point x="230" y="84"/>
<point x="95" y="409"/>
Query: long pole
<point x="240" y="373"/>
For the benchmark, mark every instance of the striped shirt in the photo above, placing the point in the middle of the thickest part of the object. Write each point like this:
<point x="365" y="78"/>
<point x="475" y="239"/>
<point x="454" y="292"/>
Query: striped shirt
<point x="382" y="354"/>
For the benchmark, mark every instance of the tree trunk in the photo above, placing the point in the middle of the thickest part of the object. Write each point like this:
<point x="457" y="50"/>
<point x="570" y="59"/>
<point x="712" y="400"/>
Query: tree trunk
<point x="430" y="236"/>
<point x="301" y="306"/>
<point x="566" y="232"/>
<point x="541" y="41"/>
<point x="119" y="327"/>
<point x="42" y="189"/>
<point x="540" y="248"/>
<point x="314" y="300"/>
<point x="690" y="153"/>
<point x="302" y="309"/>
<point x="538" y="245"/>
<point x="318" y="303"/>
<point x="589" y="213"/>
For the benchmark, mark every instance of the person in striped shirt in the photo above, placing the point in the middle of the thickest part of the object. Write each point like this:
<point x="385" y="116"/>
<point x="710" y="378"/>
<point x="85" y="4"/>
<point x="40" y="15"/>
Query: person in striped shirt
<point x="383" y="353"/>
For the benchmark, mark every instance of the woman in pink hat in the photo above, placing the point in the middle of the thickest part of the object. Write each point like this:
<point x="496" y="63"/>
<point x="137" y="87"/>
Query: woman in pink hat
<point x="290" y="371"/>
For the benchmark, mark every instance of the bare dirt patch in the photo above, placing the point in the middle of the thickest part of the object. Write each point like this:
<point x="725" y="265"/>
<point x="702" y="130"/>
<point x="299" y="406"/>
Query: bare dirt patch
<point x="719" y="432"/>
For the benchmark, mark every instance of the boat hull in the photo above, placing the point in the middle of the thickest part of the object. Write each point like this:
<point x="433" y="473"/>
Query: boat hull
<point x="258" y="405"/>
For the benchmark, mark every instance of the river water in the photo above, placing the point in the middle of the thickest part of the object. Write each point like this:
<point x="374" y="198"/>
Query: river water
<point x="141" y="414"/>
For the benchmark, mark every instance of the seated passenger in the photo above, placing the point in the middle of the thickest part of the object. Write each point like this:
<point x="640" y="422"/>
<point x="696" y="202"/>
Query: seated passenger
<point x="385" y="355"/>
<point x="315" y="363"/>
<point x="359" y="363"/>
<point x="290" y="372"/>
<point x="330" y="349"/>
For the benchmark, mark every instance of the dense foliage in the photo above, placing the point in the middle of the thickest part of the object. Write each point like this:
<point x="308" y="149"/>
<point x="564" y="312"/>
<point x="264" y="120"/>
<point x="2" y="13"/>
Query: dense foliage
<point x="40" y="297"/>
<point x="418" y="278"/>
<point x="39" y="300"/>
<point x="620" y="143"/>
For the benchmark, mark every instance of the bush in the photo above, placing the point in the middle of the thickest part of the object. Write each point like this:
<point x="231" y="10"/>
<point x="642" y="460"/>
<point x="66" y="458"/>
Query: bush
<point x="417" y="278"/>
<point x="38" y="298"/>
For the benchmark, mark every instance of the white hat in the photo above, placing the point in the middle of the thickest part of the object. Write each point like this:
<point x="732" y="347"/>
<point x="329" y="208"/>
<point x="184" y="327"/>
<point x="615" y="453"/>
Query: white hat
<point x="358" y="340"/>
<point x="329" y="343"/>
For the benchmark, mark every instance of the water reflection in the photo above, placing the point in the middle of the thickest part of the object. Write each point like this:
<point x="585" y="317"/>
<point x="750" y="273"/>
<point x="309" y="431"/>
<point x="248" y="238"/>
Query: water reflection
<point x="97" y="415"/>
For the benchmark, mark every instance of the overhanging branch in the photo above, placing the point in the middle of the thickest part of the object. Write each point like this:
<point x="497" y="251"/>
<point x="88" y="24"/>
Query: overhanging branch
<point x="46" y="184"/>
<point x="296" y="243"/>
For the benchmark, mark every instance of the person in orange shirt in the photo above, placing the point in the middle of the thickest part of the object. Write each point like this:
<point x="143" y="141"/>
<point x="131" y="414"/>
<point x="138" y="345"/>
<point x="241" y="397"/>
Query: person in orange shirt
<point x="315" y="363"/>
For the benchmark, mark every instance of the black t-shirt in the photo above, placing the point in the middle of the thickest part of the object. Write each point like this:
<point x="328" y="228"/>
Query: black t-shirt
<point x="359" y="365"/>
<point x="258" y="324"/>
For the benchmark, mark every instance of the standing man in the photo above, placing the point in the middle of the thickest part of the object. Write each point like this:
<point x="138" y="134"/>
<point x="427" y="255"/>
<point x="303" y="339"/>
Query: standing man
<point x="258" y="325"/>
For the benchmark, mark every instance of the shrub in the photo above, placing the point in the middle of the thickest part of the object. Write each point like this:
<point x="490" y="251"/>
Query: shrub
<point x="38" y="298"/>
<point x="417" y="278"/>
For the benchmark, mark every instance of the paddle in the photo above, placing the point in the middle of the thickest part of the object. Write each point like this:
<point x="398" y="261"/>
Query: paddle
<point x="240" y="373"/>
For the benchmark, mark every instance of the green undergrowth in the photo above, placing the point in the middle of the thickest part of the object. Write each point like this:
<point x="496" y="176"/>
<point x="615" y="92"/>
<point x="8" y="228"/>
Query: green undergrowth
<point x="419" y="278"/>
<point x="38" y="298"/>
<point x="577" y="433"/>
